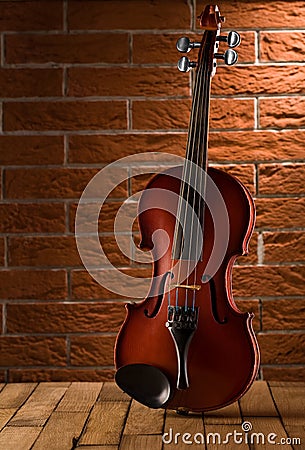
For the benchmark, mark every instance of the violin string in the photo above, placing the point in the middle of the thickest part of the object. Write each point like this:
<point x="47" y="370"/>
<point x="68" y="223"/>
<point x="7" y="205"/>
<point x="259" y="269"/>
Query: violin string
<point x="202" y="163"/>
<point x="189" y="172"/>
<point x="201" y="150"/>
<point x="193" y="176"/>
<point x="191" y="158"/>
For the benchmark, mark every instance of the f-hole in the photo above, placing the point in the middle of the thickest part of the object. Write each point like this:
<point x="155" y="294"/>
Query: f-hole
<point x="160" y="298"/>
<point x="213" y="299"/>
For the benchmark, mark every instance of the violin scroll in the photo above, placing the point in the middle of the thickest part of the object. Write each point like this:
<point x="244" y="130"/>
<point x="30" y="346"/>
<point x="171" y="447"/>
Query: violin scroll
<point x="211" y="20"/>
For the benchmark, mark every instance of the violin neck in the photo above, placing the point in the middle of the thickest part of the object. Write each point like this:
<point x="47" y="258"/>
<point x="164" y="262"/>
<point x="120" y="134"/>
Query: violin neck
<point x="193" y="182"/>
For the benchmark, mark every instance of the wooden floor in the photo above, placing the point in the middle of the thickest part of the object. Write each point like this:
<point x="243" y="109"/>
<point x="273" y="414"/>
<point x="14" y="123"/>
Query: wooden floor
<point x="98" y="416"/>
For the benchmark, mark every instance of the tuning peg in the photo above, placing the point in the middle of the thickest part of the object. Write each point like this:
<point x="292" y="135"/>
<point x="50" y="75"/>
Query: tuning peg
<point x="233" y="39"/>
<point x="229" y="56"/>
<point x="184" y="45"/>
<point x="184" y="64"/>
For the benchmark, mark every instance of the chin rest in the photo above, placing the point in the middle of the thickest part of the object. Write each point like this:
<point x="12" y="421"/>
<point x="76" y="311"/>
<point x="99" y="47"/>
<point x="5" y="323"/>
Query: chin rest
<point x="146" y="384"/>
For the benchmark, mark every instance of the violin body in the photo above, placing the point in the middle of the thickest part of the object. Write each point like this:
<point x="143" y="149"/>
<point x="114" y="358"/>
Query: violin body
<point x="223" y="356"/>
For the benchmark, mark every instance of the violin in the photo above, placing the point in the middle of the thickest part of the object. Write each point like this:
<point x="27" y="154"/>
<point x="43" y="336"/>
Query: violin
<point x="187" y="346"/>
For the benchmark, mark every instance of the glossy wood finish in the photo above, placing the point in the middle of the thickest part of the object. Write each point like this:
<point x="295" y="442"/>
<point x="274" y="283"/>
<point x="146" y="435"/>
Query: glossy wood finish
<point x="223" y="358"/>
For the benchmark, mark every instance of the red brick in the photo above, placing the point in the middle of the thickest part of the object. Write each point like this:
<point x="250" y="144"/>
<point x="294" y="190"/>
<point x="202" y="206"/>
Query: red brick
<point x="2" y="254"/>
<point x="31" y="150"/>
<point x="92" y="350"/>
<point x="161" y="48"/>
<point x="32" y="218"/>
<point x="64" y="374"/>
<point x="55" y="251"/>
<point x="282" y="348"/>
<point x="282" y="112"/>
<point x="272" y="281"/>
<point x="231" y="113"/>
<point x="131" y="81"/>
<point x="282" y="46"/>
<point x="281" y="179"/>
<point x="257" y="146"/>
<point x="30" y="82"/>
<point x="259" y="80"/>
<point x="30" y="15"/>
<point x="64" y="318"/>
<point x="158" y="48"/>
<point x="284" y="246"/>
<point x="280" y="212"/>
<point x="55" y="183"/>
<point x="260" y="14"/>
<point x="224" y="113"/>
<point x="284" y="373"/>
<point x="58" y="251"/>
<point x="32" y="350"/>
<point x="118" y="14"/>
<point x="283" y="314"/>
<point x="70" y="115"/>
<point x="85" y="287"/>
<point x="104" y="149"/>
<point x="107" y="216"/>
<point x="33" y="284"/>
<point x="63" y="48"/>
<point x="159" y="114"/>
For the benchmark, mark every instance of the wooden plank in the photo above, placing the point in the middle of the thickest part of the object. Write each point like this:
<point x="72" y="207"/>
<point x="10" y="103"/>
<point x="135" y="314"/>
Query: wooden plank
<point x="5" y="416"/>
<point x="80" y="396"/>
<point x="268" y="428"/>
<point x="296" y="434"/>
<point x="40" y="405"/>
<point x="141" y="442"/>
<point x="111" y="393"/>
<point x="18" y="438"/>
<point x="11" y="398"/>
<point x="222" y="436"/>
<point x="143" y="420"/>
<point x="60" y="430"/>
<point x="105" y="424"/>
<point x="300" y="384"/>
<point x="14" y="394"/>
<point x="258" y="401"/>
<point x="97" y="447"/>
<point x="228" y="415"/>
<point x="176" y="426"/>
<point x="290" y="401"/>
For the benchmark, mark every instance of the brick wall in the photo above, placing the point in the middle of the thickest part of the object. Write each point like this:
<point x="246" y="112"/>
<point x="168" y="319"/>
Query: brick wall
<point x="83" y="83"/>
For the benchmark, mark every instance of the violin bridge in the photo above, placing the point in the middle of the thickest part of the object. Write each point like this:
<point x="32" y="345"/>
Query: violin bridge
<point x="194" y="287"/>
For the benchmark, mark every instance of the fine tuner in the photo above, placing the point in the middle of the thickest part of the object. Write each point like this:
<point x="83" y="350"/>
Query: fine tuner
<point x="184" y="45"/>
